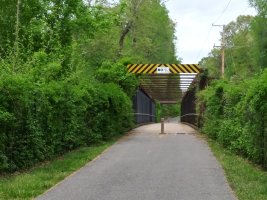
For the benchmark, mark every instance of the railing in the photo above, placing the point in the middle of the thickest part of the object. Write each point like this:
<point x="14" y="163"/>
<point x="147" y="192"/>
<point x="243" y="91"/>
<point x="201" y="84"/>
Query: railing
<point x="188" y="108"/>
<point x="142" y="118"/>
<point x="144" y="108"/>
<point x="190" y="118"/>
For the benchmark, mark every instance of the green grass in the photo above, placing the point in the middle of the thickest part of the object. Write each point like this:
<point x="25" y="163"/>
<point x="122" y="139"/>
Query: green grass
<point x="30" y="184"/>
<point x="248" y="181"/>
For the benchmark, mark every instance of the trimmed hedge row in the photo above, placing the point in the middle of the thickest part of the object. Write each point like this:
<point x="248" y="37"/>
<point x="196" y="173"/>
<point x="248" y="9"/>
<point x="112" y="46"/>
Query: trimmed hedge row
<point x="39" y="121"/>
<point x="235" y="114"/>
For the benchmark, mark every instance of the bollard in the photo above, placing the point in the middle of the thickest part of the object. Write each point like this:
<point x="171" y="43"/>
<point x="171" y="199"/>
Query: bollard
<point x="162" y="125"/>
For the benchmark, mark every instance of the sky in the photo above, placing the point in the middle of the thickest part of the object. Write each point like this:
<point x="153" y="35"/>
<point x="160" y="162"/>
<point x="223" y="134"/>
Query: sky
<point x="194" y="18"/>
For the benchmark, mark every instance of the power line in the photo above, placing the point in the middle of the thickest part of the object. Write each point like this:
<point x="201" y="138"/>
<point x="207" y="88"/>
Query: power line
<point x="241" y="13"/>
<point x="244" y="10"/>
<point x="204" y="43"/>
<point x="224" y="10"/>
<point x="206" y="40"/>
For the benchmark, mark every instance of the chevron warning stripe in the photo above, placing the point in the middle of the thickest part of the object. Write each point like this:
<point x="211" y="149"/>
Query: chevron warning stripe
<point x="167" y="68"/>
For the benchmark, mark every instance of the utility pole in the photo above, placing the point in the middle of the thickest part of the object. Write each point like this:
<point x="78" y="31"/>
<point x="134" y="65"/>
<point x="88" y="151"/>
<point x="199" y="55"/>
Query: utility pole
<point x="222" y="48"/>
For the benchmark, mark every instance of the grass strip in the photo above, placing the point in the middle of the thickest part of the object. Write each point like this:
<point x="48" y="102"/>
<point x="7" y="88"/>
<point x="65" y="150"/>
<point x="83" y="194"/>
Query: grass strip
<point x="30" y="184"/>
<point x="248" y="181"/>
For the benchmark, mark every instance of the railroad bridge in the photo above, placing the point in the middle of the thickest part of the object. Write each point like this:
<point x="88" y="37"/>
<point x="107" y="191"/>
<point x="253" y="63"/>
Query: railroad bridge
<point x="165" y="84"/>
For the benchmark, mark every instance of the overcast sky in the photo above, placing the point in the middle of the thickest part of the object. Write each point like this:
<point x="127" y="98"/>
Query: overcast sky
<point x="194" y="19"/>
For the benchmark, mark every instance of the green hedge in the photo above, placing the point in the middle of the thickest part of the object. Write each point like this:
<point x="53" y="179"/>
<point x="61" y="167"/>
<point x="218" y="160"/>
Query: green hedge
<point x="43" y="119"/>
<point x="235" y="115"/>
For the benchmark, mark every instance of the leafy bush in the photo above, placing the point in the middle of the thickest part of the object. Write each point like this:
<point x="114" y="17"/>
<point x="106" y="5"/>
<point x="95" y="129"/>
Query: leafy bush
<point x="117" y="73"/>
<point x="167" y="110"/>
<point x="43" y="114"/>
<point x="236" y="115"/>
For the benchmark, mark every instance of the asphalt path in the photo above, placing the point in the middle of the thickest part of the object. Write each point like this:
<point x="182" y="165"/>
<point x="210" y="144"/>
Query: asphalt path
<point x="145" y="165"/>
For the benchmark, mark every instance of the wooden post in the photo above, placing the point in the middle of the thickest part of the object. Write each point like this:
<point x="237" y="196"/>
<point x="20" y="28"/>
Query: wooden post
<point x="223" y="47"/>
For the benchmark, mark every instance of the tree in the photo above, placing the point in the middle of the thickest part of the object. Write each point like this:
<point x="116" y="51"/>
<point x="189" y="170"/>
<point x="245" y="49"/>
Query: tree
<point x="150" y="32"/>
<point x="139" y="29"/>
<point x="260" y="32"/>
<point x="239" y="45"/>
<point x="212" y="63"/>
<point x="240" y="56"/>
<point x="260" y="5"/>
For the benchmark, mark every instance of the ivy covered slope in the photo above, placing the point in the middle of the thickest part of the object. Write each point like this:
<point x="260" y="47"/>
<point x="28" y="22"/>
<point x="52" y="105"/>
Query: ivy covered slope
<point x="63" y="81"/>
<point x="235" y="107"/>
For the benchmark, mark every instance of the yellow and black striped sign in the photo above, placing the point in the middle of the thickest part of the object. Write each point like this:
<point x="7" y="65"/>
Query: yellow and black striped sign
<point x="165" y="68"/>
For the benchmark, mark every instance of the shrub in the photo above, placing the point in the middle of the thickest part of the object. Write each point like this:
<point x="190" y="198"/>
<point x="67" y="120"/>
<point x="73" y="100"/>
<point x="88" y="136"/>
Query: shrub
<point x="41" y="118"/>
<point x="235" y="115"/>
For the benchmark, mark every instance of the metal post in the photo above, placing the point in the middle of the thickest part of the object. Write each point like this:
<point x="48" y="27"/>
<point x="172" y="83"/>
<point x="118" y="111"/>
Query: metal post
<point x="162" y="125"/>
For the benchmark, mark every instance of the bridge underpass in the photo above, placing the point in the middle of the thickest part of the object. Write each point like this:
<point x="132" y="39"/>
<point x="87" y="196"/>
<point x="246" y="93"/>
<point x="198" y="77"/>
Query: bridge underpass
<point x="163" y="83"/>
<point x="147" y="165"/>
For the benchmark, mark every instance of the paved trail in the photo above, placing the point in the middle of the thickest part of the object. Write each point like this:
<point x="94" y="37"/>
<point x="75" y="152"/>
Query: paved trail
<point x="149" y="166"/>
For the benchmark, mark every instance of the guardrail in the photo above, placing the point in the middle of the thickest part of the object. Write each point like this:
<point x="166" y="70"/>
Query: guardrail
<point x="142" y="118"/>
<point x="190" y="118"/>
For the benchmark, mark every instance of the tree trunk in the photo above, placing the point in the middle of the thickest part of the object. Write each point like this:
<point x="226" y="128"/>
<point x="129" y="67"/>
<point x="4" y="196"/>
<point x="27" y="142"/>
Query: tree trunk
<point x="16" y="44"/>
<point x="129" y="25"/>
